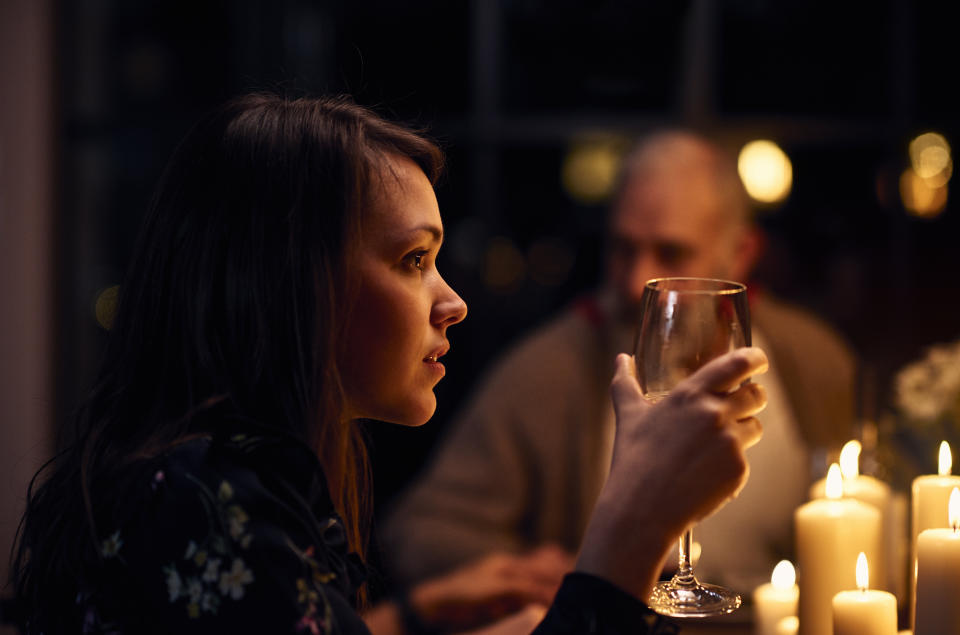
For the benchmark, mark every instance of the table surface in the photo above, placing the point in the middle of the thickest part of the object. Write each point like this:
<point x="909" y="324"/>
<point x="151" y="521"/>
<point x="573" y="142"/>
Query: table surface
<point x="737" y="623"/>
<point x="716" y="629"/>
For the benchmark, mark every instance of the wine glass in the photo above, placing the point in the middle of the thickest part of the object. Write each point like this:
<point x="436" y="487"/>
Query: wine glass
<point x="684" y="323"/>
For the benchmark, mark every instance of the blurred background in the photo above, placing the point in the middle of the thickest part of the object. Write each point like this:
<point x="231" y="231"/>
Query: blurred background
<point x="534" y="101"/>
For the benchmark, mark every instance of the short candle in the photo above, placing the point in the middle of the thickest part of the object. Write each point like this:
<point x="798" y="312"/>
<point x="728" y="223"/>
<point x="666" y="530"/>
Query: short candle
<point x="775" y="600"/>
<point x="864" y="611"/>
<point x="931" y="494"/>
<point x="788" y="626"/>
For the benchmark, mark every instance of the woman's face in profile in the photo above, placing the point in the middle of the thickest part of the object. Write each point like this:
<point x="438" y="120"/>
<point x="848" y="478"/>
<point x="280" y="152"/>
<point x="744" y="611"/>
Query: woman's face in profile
<point x="397" y="332"/>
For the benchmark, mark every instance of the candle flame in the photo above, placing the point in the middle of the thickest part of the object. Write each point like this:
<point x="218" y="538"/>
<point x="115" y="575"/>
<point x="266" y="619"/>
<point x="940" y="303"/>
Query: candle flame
<point x="850" y="459"/>
<point x="863" y="572"/>
<point x="834" y="486"/>
<point x="953" y="509"/>
<point x="784" y="575"/>
<point x="946" y="459"/>
<point x="788" y="625"/>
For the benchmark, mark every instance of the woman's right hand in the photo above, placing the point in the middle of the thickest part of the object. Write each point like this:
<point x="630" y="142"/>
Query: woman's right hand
<point x="674" y="463"/>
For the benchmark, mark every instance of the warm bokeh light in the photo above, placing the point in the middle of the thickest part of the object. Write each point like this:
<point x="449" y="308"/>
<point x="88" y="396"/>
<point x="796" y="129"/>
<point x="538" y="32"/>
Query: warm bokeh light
<point x="953" y="509"/>
<point x="850" y="459"/>
<point x="504" y="266"/>
<point x="834" y="486"/>
<point x="945" y="461"/>
<point x="784" y="575"/>
<point x="765" y="170"/>
<point x="551" y="260"/>
<point x="863" y="572"/>
<point x="923" y="186"/>
<point x="920" y="198"/>
<point x="105" y="307"/>
<point x="930" y="158"/>
<point x="590" y="168"/>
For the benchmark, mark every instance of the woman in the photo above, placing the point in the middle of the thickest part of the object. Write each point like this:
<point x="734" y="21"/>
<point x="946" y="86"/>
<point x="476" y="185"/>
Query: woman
<point x="284" y="287"/>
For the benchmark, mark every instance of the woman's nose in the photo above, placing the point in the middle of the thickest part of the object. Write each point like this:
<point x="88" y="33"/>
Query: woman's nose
<point x="449" y="309"/>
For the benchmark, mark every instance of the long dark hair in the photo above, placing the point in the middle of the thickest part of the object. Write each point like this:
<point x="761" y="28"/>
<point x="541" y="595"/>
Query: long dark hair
<point x="237" y="296"/>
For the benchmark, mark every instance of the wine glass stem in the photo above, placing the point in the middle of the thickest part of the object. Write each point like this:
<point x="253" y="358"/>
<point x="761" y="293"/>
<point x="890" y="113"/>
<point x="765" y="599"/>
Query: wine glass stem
<point x="684" y="574"/>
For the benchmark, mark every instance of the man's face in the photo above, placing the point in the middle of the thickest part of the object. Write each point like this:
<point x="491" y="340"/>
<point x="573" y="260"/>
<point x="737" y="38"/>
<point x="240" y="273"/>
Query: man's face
<point x="664" y="224"/>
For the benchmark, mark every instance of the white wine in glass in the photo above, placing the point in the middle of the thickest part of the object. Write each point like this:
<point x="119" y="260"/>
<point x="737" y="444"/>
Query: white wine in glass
<point x="684" y="323"/>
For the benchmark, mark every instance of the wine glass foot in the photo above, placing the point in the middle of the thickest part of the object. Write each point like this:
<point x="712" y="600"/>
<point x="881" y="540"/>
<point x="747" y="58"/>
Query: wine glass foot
<point x="692" y="600"/>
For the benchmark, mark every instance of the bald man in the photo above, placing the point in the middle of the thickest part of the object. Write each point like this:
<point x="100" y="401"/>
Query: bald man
<point x="523" y="463"/>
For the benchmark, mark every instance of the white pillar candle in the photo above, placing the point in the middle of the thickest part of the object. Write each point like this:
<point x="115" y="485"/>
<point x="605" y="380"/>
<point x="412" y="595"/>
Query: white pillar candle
<point x="830" y="533"/>
<point x="931" y="493"/>
<point x="864" y="611"/>
<point x="897" y="534"/>
<point x="776" y="599"/>
<point x="938" y="576"/>
<point x="929" y="501"/>
<point x="874" y="492"/>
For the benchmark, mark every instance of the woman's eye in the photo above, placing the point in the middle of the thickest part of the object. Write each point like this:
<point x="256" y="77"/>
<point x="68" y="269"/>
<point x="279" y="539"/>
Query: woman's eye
<point x="417" y="260"/>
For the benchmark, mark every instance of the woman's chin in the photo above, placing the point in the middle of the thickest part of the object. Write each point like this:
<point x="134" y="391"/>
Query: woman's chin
<point x="413" y="415"/>
<point x="418" y="419"/>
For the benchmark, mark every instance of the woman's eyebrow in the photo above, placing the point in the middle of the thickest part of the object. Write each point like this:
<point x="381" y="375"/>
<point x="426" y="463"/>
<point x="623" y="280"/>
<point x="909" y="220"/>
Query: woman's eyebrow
<point x="431" y="229"/>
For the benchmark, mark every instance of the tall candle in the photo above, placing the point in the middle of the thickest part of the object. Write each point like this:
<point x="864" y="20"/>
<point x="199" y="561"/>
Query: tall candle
<point x="776" y="599"/>
<point x="830" y="533"/>
<point x="931" y="494"/>
<point x="938" y="575"/>
<point x="874" y="492"/>
<point x="864" y="611"/>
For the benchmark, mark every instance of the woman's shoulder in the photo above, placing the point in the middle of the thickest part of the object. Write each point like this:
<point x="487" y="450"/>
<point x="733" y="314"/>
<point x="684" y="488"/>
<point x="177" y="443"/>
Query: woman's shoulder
<point x="210" y="470"/>
<point x="228" y="527"/>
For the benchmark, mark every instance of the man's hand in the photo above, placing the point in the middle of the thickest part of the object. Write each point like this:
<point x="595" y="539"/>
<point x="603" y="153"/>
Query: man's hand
<point x="491" y="588"/>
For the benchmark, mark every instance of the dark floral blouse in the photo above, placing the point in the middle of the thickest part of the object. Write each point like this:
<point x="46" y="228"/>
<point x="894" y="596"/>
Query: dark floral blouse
<point x="237" y="534"/>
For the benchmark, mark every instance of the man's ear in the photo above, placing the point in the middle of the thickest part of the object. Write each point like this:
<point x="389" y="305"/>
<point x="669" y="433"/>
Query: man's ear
<point x="750" y="246"/>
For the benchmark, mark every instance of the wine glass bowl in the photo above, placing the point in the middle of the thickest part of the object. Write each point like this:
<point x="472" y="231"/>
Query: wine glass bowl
<point x="684" y="323"/>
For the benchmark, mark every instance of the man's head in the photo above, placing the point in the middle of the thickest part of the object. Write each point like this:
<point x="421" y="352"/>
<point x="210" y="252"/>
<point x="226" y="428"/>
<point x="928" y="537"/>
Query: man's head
<point x="680" y="210"/>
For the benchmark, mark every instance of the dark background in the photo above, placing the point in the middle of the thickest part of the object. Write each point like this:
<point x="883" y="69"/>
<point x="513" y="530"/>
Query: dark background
<point x="506" y="86"/>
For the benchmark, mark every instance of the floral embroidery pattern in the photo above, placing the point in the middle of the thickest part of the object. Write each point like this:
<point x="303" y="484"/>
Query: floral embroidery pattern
<point x="233" y="581"/>
<point x="111" y="546"/>
<point x="310" y="592"/>
<point x="203" y="578"/>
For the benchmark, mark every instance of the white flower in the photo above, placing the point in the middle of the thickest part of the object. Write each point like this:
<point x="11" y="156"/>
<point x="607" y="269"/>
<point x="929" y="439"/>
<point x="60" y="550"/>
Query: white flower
<point x="225" y="492"/>
<point x="111" y="546"/>
<point x="191" y="550"/>
<point x="174" y="583"/>
<point x="236" y="518"/>
<point x="928" y="388"/>
<point x="233" y="581"/>
<point x="209" y="602"/>
<point x="212" y="572"/>
<point x="194" y="589"/>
